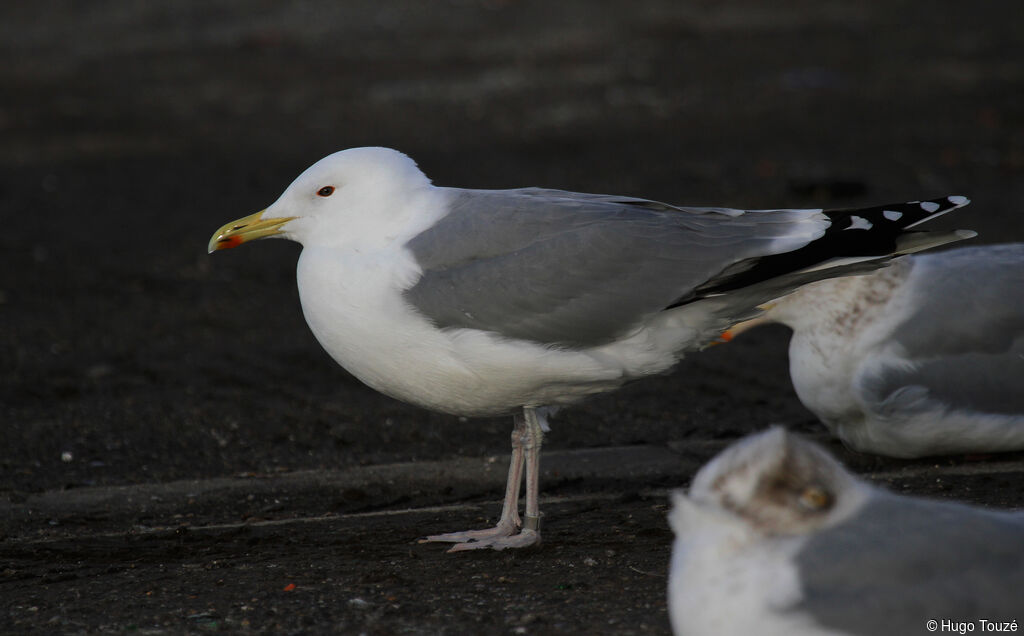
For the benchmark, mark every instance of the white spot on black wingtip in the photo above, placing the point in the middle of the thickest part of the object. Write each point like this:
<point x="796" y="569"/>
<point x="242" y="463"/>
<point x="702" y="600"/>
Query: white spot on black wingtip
<point x="930" y="206"/>
<point x="859" y="223"/>
<point x="956" y="199"/>
<point x="892" y="215"/>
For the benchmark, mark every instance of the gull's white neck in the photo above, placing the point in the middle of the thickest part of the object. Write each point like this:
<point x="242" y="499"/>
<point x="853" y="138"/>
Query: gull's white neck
<point x="350" y="289"/>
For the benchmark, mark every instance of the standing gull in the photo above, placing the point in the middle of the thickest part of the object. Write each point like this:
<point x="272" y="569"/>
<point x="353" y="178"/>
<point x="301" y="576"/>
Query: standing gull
<point x="923" y="357"/>
<point x="775" y="537"/>
<point x="489" y="302"/>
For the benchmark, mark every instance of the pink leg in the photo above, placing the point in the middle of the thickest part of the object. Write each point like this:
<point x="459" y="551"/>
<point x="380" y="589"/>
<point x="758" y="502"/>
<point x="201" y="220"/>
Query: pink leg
<point x="527" y="437"/>
<point x="509" y="522"/>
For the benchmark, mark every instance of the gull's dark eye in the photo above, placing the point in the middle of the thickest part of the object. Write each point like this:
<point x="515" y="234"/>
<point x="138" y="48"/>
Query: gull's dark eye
<point x="325" y="191"/>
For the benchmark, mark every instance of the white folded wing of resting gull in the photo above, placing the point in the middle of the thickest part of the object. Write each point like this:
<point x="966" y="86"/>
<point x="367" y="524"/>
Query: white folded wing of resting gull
<point x="486" y="302"/>
<point x="776" y="537"/>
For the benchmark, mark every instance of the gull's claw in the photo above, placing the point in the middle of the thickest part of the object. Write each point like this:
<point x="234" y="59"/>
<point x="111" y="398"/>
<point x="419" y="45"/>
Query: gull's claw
<point x="503" y="529"/>
<point x="524" y="539"/>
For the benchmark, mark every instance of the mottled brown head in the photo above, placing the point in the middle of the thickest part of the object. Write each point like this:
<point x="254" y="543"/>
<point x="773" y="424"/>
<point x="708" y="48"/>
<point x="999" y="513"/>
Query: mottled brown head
<point x="779" y="484"/>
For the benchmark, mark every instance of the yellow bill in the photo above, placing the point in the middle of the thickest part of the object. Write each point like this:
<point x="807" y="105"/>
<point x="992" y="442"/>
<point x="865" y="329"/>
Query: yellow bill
<point x="246" y="229"/>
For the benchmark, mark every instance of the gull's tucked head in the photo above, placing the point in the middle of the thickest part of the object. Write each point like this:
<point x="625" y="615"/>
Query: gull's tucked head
<point x="356" y="195"/>
<point x="779" y="483"/>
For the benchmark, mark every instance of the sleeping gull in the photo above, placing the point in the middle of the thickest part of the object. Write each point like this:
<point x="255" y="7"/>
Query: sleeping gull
<point x="776" y="537"/>
<point x="923" y="357"/>
<point x="489" y="302"/>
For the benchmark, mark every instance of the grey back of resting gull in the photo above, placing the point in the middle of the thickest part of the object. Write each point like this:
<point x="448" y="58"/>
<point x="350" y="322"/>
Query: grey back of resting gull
<point x="478" y="302"/>
<point x="776" y="537"/>
<point x="923" y="357"/>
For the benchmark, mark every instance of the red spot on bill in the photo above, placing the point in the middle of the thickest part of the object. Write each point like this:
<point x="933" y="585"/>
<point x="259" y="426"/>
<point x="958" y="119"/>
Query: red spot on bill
<point x="228" y="243"/>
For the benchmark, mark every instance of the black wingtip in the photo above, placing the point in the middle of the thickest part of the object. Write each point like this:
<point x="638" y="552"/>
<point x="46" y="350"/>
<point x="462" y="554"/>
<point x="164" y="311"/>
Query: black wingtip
<point x="934" y="208"/>
<point x="878" y="231"/>
<point x="894" y="217"/>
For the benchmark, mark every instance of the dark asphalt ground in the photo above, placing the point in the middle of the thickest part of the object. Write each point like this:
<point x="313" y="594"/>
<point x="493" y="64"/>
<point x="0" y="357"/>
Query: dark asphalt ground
<point x="178" y="455"/>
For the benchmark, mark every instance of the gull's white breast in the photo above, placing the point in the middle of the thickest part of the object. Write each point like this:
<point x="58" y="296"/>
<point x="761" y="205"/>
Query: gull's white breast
<point x="840" y="325"/>
<point x="727" y="579"/>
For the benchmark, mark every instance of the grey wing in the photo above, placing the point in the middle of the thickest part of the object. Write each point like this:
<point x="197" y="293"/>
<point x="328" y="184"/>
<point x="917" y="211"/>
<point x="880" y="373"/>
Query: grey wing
<point x="967" y="300"/>
<point x="979" y="383"/>
<point x="901" y="561"/>
<point x="963" y="346"/>
<point x="574" y="269"/>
